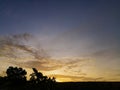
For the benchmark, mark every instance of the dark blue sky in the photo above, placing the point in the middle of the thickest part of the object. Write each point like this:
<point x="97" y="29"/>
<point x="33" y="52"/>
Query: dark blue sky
<point x="17" y="16"/>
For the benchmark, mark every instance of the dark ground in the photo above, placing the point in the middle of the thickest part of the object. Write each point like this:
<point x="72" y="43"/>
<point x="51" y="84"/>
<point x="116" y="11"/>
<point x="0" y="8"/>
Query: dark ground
<point x="65" y="86"/>
<point x="89" y="86"/>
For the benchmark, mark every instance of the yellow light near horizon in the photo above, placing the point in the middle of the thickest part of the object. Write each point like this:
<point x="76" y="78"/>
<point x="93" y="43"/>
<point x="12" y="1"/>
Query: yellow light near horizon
<point x="58" y="80"/>
<point x="63" y="79"/>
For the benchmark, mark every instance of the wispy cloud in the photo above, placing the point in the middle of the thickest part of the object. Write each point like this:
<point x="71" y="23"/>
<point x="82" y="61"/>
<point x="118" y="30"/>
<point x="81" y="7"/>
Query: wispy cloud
<point x="107" y="53"/>
<point x="10" y="44"/>
<point x="52" y="64"/>
<point x="77" y="78"/>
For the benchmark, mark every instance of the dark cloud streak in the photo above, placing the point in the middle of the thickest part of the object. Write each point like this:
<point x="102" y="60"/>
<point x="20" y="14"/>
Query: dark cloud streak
<point x="17" y="42"/>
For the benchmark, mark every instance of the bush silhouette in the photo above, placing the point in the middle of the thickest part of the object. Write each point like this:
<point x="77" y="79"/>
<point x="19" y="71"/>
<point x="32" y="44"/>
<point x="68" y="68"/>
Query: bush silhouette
<point x="15" y="74"/>
<point x="38" y="77"/>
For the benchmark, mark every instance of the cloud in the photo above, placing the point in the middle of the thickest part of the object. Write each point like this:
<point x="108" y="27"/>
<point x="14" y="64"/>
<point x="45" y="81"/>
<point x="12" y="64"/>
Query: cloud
<point x="10" y="44"/>
<point x="107" y="53"/>
<point x="41" y="65"/>
<point x="77" y="78"/>
<point x="68" y="65"/>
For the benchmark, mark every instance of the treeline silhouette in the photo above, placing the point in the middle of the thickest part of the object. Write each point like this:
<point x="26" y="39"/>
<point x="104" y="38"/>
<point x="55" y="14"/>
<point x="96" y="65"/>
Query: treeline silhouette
<point x="16" y="79"/>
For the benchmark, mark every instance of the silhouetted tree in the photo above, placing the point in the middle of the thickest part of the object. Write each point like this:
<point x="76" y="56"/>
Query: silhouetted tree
<point x="53" y="79"/>
<point x="37" y="77"/>
<point x="15" y="74"/>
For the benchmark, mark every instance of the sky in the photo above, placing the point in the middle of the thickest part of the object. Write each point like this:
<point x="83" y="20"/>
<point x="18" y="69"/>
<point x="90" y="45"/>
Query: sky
<point x="73" y="40"/>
